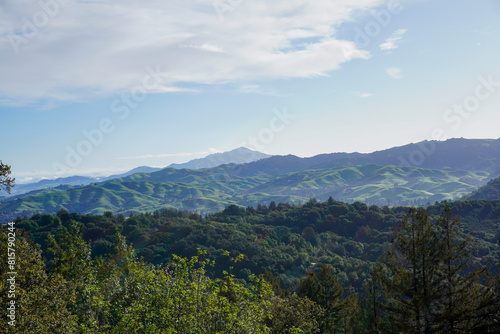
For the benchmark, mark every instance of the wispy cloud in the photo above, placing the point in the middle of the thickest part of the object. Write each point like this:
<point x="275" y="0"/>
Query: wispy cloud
<point x="394" y="72"/>
<point x="35" y="176"/>
<point x="258" y="89"/>
<point x="391" y="42"/>
<point x="170" y="155"/>
<point x="363" y="95"/>
<point x="204" y="47"/>
<point x="104" y="46"/>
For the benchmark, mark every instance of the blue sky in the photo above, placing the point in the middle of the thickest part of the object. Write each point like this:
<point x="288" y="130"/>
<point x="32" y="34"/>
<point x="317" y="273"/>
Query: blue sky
<point x="99" y="87"/>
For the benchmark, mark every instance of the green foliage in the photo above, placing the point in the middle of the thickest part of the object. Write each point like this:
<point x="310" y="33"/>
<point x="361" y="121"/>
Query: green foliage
<point x="182" y="299"/>
<point x="490" y="191"/>
<point x="6" y="182"/>
<point x="42" y="299"/>
<point x="315" y="260"/>
<point x="293" y="314"/>
<point x="429" y="281"/>
<point x="119" y="293"/>
<point x="336" y="313"/>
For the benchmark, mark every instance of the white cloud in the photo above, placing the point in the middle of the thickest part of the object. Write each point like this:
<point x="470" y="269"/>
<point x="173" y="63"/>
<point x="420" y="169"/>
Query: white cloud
<point x="390" y="43"/>
<point x="205" y="47"/>
<point x="103" y="47"/>
<point x="394" y="72"/>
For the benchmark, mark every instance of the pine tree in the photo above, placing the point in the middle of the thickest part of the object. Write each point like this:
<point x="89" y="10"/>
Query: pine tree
<point x="429" y="281"/>
<point x="464" y="302"/>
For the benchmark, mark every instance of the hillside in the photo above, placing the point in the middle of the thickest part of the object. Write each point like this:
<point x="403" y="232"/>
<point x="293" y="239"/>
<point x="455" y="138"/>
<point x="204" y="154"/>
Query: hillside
<point x="452" y="154"/>
<point x="449" y="170"/>
<point x="42" y="184"/>
<point x="239" y="155"/>
<point x="284" y="239"/>
<point x="209" y="190"/>
<point x="491" y="191"/>
<point x="335" y="246"/>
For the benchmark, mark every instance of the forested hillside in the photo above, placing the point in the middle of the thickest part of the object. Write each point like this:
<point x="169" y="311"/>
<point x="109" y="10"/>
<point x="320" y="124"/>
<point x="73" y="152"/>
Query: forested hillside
<point x="210" y="190"/>
<point x="490" y="191"/>
<point x="297" y="250"/>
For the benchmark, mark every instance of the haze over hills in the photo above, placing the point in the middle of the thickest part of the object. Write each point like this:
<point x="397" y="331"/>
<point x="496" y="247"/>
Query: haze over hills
<point x="238" y="155"/>
<point x="284" y="179"/>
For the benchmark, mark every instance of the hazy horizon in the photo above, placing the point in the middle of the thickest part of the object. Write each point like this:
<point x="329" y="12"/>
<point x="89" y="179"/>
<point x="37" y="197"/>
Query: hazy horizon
<point x="101" y="87"/>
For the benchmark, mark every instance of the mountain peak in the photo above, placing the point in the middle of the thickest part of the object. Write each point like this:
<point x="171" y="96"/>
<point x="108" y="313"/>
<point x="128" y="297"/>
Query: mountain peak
<point x="238" y="155"/>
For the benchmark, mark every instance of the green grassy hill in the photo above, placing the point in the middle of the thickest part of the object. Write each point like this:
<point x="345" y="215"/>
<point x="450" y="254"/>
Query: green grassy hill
<point x="209" y="190"/>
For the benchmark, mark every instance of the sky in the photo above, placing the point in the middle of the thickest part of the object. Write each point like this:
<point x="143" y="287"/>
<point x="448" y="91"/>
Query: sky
<point x="99" y="87"/>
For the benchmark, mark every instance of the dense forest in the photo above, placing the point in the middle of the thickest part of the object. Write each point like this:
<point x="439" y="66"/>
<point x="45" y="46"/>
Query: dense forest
<point x="321" y="267"/>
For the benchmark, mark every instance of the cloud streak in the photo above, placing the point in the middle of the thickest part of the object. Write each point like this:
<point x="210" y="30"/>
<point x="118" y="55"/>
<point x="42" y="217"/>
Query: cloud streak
<point x="394" y="72"/>
<point x="104" y="47"/>
<point x="363" y="95"/>
<point x="391" y="42"/>
<point x="170" y="155"/>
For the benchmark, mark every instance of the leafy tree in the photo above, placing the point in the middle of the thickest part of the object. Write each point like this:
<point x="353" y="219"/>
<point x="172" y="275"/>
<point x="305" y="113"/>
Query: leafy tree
<point x="42" y="301"/>
<point x="293" y="314"/>
<point x="6" y="182"/>
<point x="324" y="289"/>
<point x="182" y="299"/>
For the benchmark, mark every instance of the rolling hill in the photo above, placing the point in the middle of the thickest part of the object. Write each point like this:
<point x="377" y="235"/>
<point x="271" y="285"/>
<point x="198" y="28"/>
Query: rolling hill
<point x="490" y="192"/>
<point x="210" y="190"/>
<point x="459" y="167"/>
<point x="239" y="155"/>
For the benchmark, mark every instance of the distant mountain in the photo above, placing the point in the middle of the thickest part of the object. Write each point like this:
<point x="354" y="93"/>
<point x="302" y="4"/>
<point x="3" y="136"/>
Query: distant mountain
<point x="141" y="169"/>
<point x="476" y="155"/>
<point x="491" y="191"/>
<point x="210" y="190"/>
<point x="42" y="184"/>
<point x="452" y="154"/>
<point x="386" y="177"/>
<point x="239" y="155"/>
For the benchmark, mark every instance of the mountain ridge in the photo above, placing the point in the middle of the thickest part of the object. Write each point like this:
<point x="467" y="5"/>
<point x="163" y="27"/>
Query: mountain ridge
<point x="212" y="160"/>
<point x="238" y="155"/>
<point x="285" y="178"/>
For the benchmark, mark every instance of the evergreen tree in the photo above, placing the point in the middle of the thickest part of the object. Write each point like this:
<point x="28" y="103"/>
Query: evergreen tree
<point x="464" y="302"/>
<point x="406" y="271"/>
<point x="429" y="281"/>
<point x="325" y="290"/>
